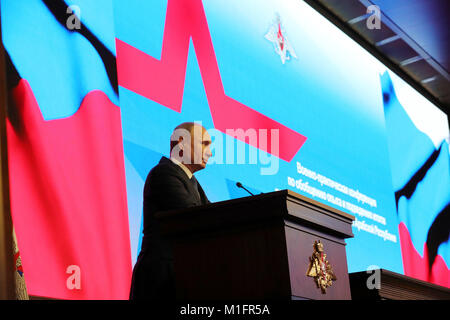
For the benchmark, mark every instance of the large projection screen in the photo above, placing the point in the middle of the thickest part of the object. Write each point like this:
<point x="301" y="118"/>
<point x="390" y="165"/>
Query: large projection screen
<point x="291" y="102"/>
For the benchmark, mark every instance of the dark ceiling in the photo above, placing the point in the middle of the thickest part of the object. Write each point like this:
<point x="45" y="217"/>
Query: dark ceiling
<point x="413" y="39"/>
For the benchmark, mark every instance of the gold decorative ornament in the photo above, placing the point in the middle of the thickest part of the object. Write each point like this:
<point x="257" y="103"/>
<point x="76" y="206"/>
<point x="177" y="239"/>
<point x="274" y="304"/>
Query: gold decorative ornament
<point x="320" y="269"/>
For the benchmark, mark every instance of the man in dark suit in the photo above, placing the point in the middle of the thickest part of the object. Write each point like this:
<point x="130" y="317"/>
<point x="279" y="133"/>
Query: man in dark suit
<point x="169" y="185"/>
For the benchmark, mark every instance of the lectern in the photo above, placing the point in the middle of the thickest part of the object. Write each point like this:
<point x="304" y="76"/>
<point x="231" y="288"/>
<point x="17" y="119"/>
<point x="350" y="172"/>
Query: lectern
<point x="278" y="245"/>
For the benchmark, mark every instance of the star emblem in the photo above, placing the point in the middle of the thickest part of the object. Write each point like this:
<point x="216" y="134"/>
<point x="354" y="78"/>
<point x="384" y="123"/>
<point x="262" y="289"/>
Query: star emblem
<point x="320" y="268"/>
<point x="277" y="35"/>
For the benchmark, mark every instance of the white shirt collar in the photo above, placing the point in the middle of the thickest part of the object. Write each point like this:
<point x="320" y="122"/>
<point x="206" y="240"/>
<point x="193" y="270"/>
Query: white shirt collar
<point x="182" y="166"/>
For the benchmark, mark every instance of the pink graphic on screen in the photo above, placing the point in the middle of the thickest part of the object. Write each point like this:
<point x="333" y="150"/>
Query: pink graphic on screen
<point x="163" y="80"/>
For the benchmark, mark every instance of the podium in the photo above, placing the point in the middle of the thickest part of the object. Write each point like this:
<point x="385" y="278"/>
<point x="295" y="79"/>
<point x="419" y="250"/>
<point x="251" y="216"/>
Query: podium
<point x="259" y="247"/>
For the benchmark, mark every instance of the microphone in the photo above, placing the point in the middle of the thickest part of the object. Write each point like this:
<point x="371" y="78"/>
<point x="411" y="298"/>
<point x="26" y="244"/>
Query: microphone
<point x="239" y="185"/>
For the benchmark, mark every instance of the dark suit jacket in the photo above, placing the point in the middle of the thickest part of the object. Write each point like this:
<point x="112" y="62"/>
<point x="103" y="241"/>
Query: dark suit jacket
<point x="167" y="187"/>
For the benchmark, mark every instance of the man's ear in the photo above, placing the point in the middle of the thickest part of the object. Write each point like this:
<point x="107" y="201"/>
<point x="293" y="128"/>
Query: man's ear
<point x="180" y="139"/>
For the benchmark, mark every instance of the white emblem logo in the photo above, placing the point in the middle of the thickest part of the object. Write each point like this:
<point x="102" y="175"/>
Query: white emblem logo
<point x="277" y="35"/>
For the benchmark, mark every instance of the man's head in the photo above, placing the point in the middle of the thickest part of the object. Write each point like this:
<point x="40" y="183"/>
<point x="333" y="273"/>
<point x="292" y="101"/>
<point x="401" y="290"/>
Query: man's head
<point x="190" y="144"/>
